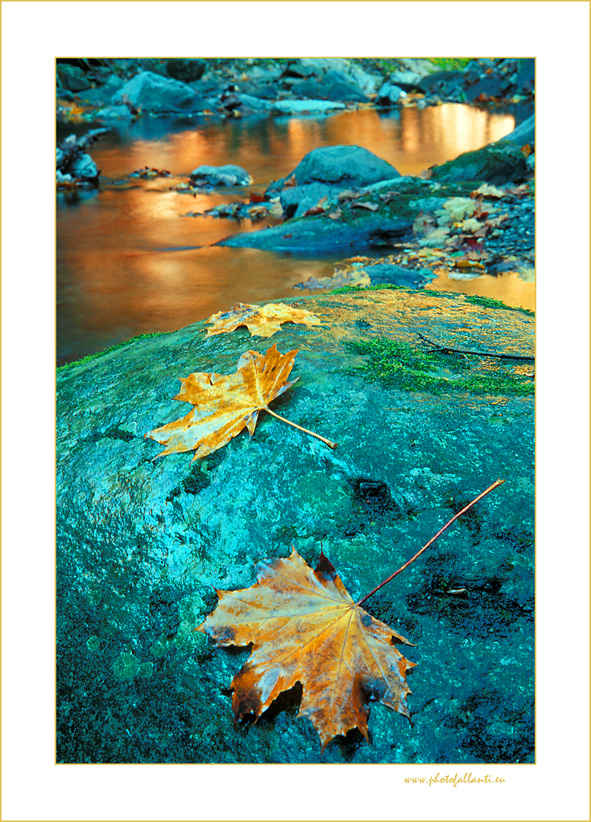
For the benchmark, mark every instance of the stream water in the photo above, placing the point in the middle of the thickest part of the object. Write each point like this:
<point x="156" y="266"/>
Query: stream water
<point x="129" y="262"/>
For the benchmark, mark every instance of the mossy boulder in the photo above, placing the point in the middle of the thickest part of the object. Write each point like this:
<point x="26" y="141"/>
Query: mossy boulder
<point x="390" y="208"/>
<point x="496" y="163"/>
<point x="142" y="541"/>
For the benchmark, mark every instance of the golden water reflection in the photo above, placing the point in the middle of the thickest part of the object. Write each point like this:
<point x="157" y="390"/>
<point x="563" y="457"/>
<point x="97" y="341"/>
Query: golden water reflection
<point x="508" y="287"/>
<point x="129" y="262"/>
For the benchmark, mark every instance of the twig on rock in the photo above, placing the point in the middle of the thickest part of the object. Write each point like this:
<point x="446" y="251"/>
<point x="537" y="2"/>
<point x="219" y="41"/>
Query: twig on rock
<point x="446" y="349"/>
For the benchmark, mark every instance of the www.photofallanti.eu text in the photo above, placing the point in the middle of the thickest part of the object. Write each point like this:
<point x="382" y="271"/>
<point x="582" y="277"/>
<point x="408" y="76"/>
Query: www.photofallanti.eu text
<point x="455" y="781"/>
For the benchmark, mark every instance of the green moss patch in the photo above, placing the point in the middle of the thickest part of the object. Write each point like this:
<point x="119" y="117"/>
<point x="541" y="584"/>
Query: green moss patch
<point x="354" y="289"/>
<point x="488" y="302"/>
<point x="98" y="354"/>
<point x="400" y="365"/>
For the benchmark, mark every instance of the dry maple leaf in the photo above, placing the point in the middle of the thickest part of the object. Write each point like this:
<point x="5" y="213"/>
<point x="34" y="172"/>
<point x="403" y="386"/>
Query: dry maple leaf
<point x="225" y="404"/>
<point x="305" y="627"/>
<point x="261" y="321"/>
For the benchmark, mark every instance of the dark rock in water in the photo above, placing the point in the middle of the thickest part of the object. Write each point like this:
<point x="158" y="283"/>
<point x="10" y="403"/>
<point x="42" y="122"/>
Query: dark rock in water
<point x="220" y="176"/>
<point x="84" y="167"/>
<point x="142" y="542"/>
<point x="320" y="235"/>
<point x="305" y="106"/>
<point x="482" y="80"/>
<point x="323" y="172"/>
<point x="64" y="94"/>
<point x="255" y="103"/>
<point x="389" y="95"/>
<point x="496" y="163"/>
<point x="114" y="113"/>
<point x="525" y="79"/>
<point x="524" y="134"/>
<point x="152" y="92"/>
<point x="344" y="166"/>
<point x="186" y="70"/>
<point x="103" y="94"/>
<point x="296" y="200"/>
<point x="72" y="164"/>
<point x="388" y="274"/>
<point x="406" y="80"/>
<point x="72" y="78"/>
<point x="330" y="88"/>
<point x="488" y="86"/>
<point x="439" y="79"/>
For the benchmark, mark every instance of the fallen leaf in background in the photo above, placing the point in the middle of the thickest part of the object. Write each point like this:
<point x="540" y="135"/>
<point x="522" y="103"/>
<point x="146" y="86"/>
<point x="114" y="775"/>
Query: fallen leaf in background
<point x="148" y="173"/>
<point x="470" y="225"/>
<point x="366" y="206"/>
<point x="457" y="208"/>
<point x="305" y="627"/>
<point x="261" y="321"/>
<point x="486" y="190"/>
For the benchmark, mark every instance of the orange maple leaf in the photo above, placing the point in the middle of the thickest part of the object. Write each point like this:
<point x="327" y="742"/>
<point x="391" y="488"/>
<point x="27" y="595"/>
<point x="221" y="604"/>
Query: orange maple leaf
<point x="305" y="627"/>
<point x="261" y="321"/>
<point x="223" y="405"/>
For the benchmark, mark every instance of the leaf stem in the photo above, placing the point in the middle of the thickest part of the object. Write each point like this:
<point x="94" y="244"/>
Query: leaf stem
<point x="432" y="540"/>
<point x="305" y="430"/>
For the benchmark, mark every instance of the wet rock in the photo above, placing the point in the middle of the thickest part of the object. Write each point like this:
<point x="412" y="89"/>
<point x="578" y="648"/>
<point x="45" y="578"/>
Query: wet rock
<point x="524" y="134"/>
<point x="438" y="80"/>
<point x="388" y="274"/>
<point x="334" y="70"/>
<point x="481" y="81"/>
<point x="330" y="87"/>
<point x="368" y="217"/>
<point x="406" y="80"/>
<point x="487" y="87"/>
<point x="320" y="235"/>
<point x="297" y="200"/>
<point x="525" y="78"/>
<point x="496" y="163"/>
<point x="143" y="542"/>
<point x="389" y="95"/>
<point x="154" y="93"/>
<point x="305" y="106"/>
<point x="321" y="175"/>
<point x="186" y="70"/>
<point x="114" y="113"/>
<point x="255" y="103"/>
<point x="104" y="93"/>
<point x="343" y="166"/>
<point x="84" y="168"/>
<point x="72" y="78"/>
<point x="220" y="176"/>
<point x="73" y="165"/>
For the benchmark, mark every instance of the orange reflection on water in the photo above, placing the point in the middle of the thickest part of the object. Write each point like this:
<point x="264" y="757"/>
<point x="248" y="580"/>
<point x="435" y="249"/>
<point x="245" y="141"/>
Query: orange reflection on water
<point x="411" y="139"/>
<point x="129" y="262"/>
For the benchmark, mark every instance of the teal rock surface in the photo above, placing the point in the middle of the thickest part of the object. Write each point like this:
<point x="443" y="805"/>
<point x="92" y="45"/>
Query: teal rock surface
<point x="143" y="542"/>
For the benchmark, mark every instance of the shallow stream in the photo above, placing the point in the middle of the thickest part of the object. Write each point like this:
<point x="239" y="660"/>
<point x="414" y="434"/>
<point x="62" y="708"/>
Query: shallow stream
<point x="129" y="262"/>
